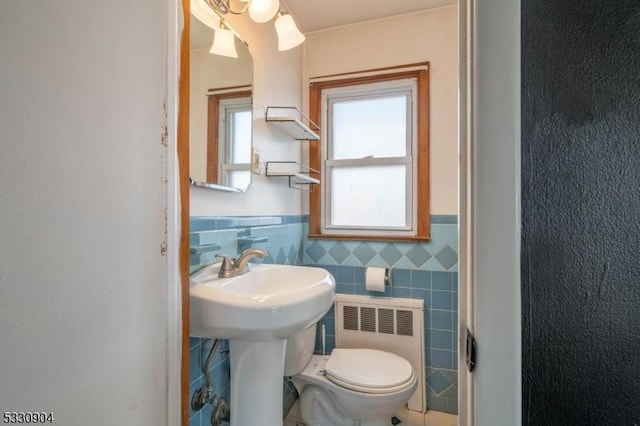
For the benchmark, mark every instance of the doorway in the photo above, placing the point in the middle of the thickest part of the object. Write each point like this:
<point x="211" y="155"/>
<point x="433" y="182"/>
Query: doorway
<point x="489" y="297"/>
<point x="490" y="211"/>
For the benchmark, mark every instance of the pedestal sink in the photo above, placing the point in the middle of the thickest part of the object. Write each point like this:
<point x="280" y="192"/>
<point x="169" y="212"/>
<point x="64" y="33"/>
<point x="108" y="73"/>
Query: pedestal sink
<point x="257" y="312"/>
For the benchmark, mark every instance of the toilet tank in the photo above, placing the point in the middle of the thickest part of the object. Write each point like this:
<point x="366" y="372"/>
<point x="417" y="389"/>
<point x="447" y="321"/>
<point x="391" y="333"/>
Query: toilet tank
<point x="300" y="348"/>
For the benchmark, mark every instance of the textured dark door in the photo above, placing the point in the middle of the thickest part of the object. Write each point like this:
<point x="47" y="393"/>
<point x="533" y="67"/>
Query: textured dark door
<point x="581" y="212"/>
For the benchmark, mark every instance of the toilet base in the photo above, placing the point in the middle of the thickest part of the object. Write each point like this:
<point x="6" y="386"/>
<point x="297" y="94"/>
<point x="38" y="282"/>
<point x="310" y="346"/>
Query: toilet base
<point x="318" y="409"/>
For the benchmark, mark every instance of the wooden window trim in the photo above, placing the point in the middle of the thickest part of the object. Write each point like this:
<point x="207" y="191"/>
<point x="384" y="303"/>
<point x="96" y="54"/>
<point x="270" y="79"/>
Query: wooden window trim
<point x="213" y="109"/>
<point x="315" y="153"/>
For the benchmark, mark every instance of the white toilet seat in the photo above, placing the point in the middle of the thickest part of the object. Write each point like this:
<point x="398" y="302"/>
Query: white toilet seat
<point x="369" y="371"/>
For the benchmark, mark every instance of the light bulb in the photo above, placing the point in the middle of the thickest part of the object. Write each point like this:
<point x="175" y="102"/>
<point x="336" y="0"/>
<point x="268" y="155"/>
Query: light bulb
<point x="263" y="10"/>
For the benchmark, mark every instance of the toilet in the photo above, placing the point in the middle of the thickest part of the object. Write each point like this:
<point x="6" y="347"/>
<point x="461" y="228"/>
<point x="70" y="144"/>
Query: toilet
<point x="350" y="387"/>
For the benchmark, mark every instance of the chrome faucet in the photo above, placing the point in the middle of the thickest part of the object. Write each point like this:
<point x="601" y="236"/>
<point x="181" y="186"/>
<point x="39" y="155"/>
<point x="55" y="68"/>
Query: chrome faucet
<point x="234" y="267"/>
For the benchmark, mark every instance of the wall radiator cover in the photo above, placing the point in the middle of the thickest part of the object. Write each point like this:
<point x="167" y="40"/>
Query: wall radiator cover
<point x="390" y="324"/>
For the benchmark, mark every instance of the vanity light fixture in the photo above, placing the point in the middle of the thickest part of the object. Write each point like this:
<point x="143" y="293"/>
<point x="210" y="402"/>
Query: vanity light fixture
<point x="260" y="11"/>
<point x="289" y="36"/>
<point x="224" y="42"/>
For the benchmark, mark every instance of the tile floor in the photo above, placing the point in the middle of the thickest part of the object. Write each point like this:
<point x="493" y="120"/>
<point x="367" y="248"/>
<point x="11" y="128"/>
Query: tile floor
<point x="408" y="418"/>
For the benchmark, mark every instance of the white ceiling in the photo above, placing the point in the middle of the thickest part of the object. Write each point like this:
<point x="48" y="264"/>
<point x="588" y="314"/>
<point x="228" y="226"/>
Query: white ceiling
<point x="314" y="15"/>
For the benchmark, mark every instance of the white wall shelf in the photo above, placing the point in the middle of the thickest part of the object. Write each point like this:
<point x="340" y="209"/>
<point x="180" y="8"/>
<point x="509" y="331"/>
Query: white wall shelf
<point x="298" y="174"/>
<point x="213" y="186"/>
<point x="292" y="122"/>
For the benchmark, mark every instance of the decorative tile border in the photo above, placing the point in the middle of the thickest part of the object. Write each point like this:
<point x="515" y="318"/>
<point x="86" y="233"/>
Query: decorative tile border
<point x="439" y="254"/>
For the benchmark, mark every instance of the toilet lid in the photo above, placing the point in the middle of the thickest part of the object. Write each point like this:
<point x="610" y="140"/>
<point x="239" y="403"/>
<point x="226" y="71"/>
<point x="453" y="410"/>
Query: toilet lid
<point x="368" y="370"/>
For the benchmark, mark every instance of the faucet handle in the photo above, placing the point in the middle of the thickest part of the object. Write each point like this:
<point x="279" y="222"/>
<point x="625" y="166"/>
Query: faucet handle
<point x="227" y="265"/>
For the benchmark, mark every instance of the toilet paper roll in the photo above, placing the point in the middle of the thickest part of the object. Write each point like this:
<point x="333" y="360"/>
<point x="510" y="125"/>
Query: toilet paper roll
<point x="375" y="279"/>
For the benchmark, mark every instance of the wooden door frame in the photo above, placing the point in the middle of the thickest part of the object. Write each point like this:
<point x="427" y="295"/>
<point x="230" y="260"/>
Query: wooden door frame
<point x="183" y="34"/>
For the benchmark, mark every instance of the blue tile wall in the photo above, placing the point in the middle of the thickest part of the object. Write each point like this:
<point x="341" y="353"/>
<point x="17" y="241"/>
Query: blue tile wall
<point x="427" y="271"/>
<point x="219" y="373"/>
<point x="281" y="236"/>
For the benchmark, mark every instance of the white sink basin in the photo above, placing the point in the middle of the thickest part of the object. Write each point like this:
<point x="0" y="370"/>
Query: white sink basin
<point x="269" y="302"/>
<point x="257" y="312"/>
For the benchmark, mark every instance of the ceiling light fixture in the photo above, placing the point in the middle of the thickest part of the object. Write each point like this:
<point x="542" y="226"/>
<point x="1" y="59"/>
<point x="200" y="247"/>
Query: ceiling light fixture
<point x="260" y="11"/>
<point x="224" y="42"/>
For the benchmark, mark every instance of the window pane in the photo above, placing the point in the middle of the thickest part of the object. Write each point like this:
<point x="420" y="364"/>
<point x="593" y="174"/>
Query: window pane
<point x="239" y="178"/>
<point x="368" y="196"/>
<point x="240" y="136"/>
<point x="375" y="126"/>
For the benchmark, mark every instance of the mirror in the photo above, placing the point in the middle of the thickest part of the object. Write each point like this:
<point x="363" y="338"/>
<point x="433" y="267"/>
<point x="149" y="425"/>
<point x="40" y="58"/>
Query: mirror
<point x="220" y="114"/>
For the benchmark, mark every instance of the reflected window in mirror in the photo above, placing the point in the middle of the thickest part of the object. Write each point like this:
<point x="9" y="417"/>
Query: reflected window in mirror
<point x="219" y="164"/>
<point x="229" y="138"/>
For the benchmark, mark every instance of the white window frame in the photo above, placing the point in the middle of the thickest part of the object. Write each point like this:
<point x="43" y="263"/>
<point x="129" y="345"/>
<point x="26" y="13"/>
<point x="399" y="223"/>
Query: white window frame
<point x="227" y="107"/>
<point x="407" y="87"/>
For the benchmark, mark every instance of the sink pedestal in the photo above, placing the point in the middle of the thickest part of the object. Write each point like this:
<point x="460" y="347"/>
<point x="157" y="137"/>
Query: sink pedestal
<point x="257" y="374"/>
<point x="257" y="311"/>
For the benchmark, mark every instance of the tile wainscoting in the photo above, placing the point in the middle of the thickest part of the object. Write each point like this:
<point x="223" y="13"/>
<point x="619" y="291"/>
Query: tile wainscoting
<point x="426" y="271"/>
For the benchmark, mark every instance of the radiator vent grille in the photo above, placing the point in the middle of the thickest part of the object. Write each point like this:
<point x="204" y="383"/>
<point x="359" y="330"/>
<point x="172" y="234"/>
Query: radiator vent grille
<point x="404" y="320"/>
<point x="368" y="319"/>
<point x="379" y="320"/>
<point x="350" y="317"/>
<point x="385" y="321"/>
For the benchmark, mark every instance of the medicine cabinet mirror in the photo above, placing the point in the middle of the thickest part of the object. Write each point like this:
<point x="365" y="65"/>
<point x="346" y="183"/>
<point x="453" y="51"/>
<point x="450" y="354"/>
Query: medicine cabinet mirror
<point x="220" y="114"/>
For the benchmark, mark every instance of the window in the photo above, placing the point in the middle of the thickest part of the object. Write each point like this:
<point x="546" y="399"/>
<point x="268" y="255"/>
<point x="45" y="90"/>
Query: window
<point x="235" y="152"/>
<point x="229" y="139"/>
<point x="373" y="156"/>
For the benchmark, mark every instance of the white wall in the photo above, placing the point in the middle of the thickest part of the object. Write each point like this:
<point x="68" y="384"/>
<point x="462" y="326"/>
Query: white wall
<point x="82" y="282"/>
<point x="426" y="36"/>
<point x="277" y="81"/>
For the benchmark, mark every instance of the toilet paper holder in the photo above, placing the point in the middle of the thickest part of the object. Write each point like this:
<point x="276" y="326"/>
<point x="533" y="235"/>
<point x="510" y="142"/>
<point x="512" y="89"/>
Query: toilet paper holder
<point x="387" y="274"/>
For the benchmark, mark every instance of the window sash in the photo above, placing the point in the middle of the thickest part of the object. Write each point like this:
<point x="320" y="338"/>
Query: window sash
<point x="409" y="226"/>
<point x="230" y="131"/>
<point x="360" y="95"/>
<point x="227" y="108"/>
<point x="404" y="87"/>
